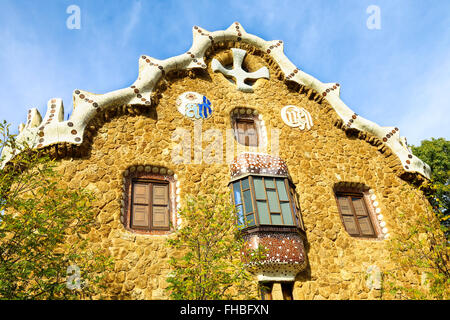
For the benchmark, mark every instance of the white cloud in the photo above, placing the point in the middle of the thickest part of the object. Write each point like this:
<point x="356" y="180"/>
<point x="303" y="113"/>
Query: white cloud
<point x="134" y="17"/>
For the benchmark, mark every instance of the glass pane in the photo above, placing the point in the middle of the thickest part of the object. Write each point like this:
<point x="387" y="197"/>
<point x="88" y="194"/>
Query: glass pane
<point x="240" y="215"/>
<point x="263" y="212"/>
<point x="269" y="183"/>
<point x="259" y="188"/>
<point x="237" y="193"/>
<point x="248" y="201"/>
<point x="286" y="211"/>
<point x="282" y="190"/>
<point x="294" y="199"/>
<point x="276" y="219"/>
<point x="273" y="201"/>
<point x="251" y="220"/>
<point x="245" y="184"/>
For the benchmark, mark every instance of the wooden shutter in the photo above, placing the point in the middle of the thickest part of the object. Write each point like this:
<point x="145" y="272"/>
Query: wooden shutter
<point x="350" y="225"/>
<point x="360" y="208"/>
<point x="246" y="132"/>
<point x="252" y="136"/>
<point x="347" y="215"/>
<point x="160" y="206"/>
<point x="241" y="127"/>
<point x="355" y="215"/>
<point x="365" y="226"/>
<point x="363" y="216"/>
<point x="140" y="206"/>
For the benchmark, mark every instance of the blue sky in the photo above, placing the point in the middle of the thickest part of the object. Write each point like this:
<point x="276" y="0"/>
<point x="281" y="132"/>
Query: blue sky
<point x="398" y="75"/>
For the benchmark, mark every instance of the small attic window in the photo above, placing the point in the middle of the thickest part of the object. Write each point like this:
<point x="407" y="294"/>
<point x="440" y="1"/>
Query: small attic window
<point x="246" y="132"/>
<point x="247" y="129"/>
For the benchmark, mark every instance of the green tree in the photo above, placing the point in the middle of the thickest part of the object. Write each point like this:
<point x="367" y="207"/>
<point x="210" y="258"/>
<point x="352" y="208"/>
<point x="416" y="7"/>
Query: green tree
<point x="436" y="153"/>
<point x="44" y="251"/>
<point x="421" y="246"/>
<point x="210" y="266"/>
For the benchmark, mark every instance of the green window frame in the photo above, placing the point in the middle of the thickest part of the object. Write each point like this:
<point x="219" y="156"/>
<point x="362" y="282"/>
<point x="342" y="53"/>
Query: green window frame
<point x="265" y="201"/>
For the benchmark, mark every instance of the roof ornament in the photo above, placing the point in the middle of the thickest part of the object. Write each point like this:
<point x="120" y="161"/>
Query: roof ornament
<point x="238" y="73"/>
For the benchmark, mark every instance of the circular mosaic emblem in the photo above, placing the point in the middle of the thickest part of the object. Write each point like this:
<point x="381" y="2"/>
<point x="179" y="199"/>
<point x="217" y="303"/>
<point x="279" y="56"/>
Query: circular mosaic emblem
<point x="194" y="105"/>
<point x="296" y="117"/>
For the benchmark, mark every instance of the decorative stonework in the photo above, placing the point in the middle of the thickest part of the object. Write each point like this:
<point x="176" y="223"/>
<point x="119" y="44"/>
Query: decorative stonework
<point x="337" y="262"/>
<point x="296" y="117"/>
<point x="86" y="105"/>
<point x="379" y="217"/>
<point x="238" y="73"/>
<point x="258" y="163"/>
<point x="285" y="256"/>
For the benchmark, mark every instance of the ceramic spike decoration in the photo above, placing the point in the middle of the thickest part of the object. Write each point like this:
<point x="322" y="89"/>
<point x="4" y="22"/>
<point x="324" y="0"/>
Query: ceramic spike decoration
<point x="238" y="73"/>
<point x="86" y="105"/>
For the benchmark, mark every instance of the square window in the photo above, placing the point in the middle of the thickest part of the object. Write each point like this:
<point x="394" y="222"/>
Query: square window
<point x="355" y="214"/>
<point x="149" y="205"/>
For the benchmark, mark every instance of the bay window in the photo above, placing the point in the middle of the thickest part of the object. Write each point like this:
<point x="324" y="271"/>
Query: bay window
<point x="265" y="201"/>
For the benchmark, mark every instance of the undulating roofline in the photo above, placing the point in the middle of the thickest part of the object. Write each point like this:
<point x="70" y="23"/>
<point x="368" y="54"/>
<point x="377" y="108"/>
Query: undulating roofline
<point x="51" y="130"/>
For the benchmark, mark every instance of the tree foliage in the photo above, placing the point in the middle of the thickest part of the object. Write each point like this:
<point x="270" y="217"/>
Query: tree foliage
<point x="421" y="246"/>
<point x="211" y="267"/>
<point x="44" y="253"/>
<point x="436" y="153"/>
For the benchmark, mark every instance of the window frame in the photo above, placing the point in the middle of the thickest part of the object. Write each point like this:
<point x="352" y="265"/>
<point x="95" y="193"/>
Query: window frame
<point x="360" y="195"/>
<point x="292" y="200"/>
<point x="245" y="117"/>
<point x="127" y="206"/>
<point x="150" y="183"/>
<point x="246" y="137"/>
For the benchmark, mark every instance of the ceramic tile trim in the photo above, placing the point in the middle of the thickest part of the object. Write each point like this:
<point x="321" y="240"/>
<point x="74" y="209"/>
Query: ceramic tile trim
<point x="258" y="163"/>
<point x="40" y="134"/>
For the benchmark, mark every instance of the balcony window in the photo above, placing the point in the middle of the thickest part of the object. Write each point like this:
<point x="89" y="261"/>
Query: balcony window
<point x="265" y="201"/>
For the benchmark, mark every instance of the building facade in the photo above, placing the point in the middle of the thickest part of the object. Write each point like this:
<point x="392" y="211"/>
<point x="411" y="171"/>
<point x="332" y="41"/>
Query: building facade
<point x="314" y="182"/>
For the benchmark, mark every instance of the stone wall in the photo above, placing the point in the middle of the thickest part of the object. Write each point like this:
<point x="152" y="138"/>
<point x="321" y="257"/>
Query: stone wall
<point x="317" y="160"/>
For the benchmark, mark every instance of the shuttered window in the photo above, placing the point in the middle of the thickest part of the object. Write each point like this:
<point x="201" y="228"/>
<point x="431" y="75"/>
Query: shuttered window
<point x="265" y="201"/>
<point x="246" y="132"/>
<point x="355" y="215"/>
<point x="150" y="206"/>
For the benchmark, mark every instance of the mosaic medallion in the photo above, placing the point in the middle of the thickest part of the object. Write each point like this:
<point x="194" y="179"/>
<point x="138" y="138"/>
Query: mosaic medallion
<point x="296" y="117"/>
<point x="194" y="105"/>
